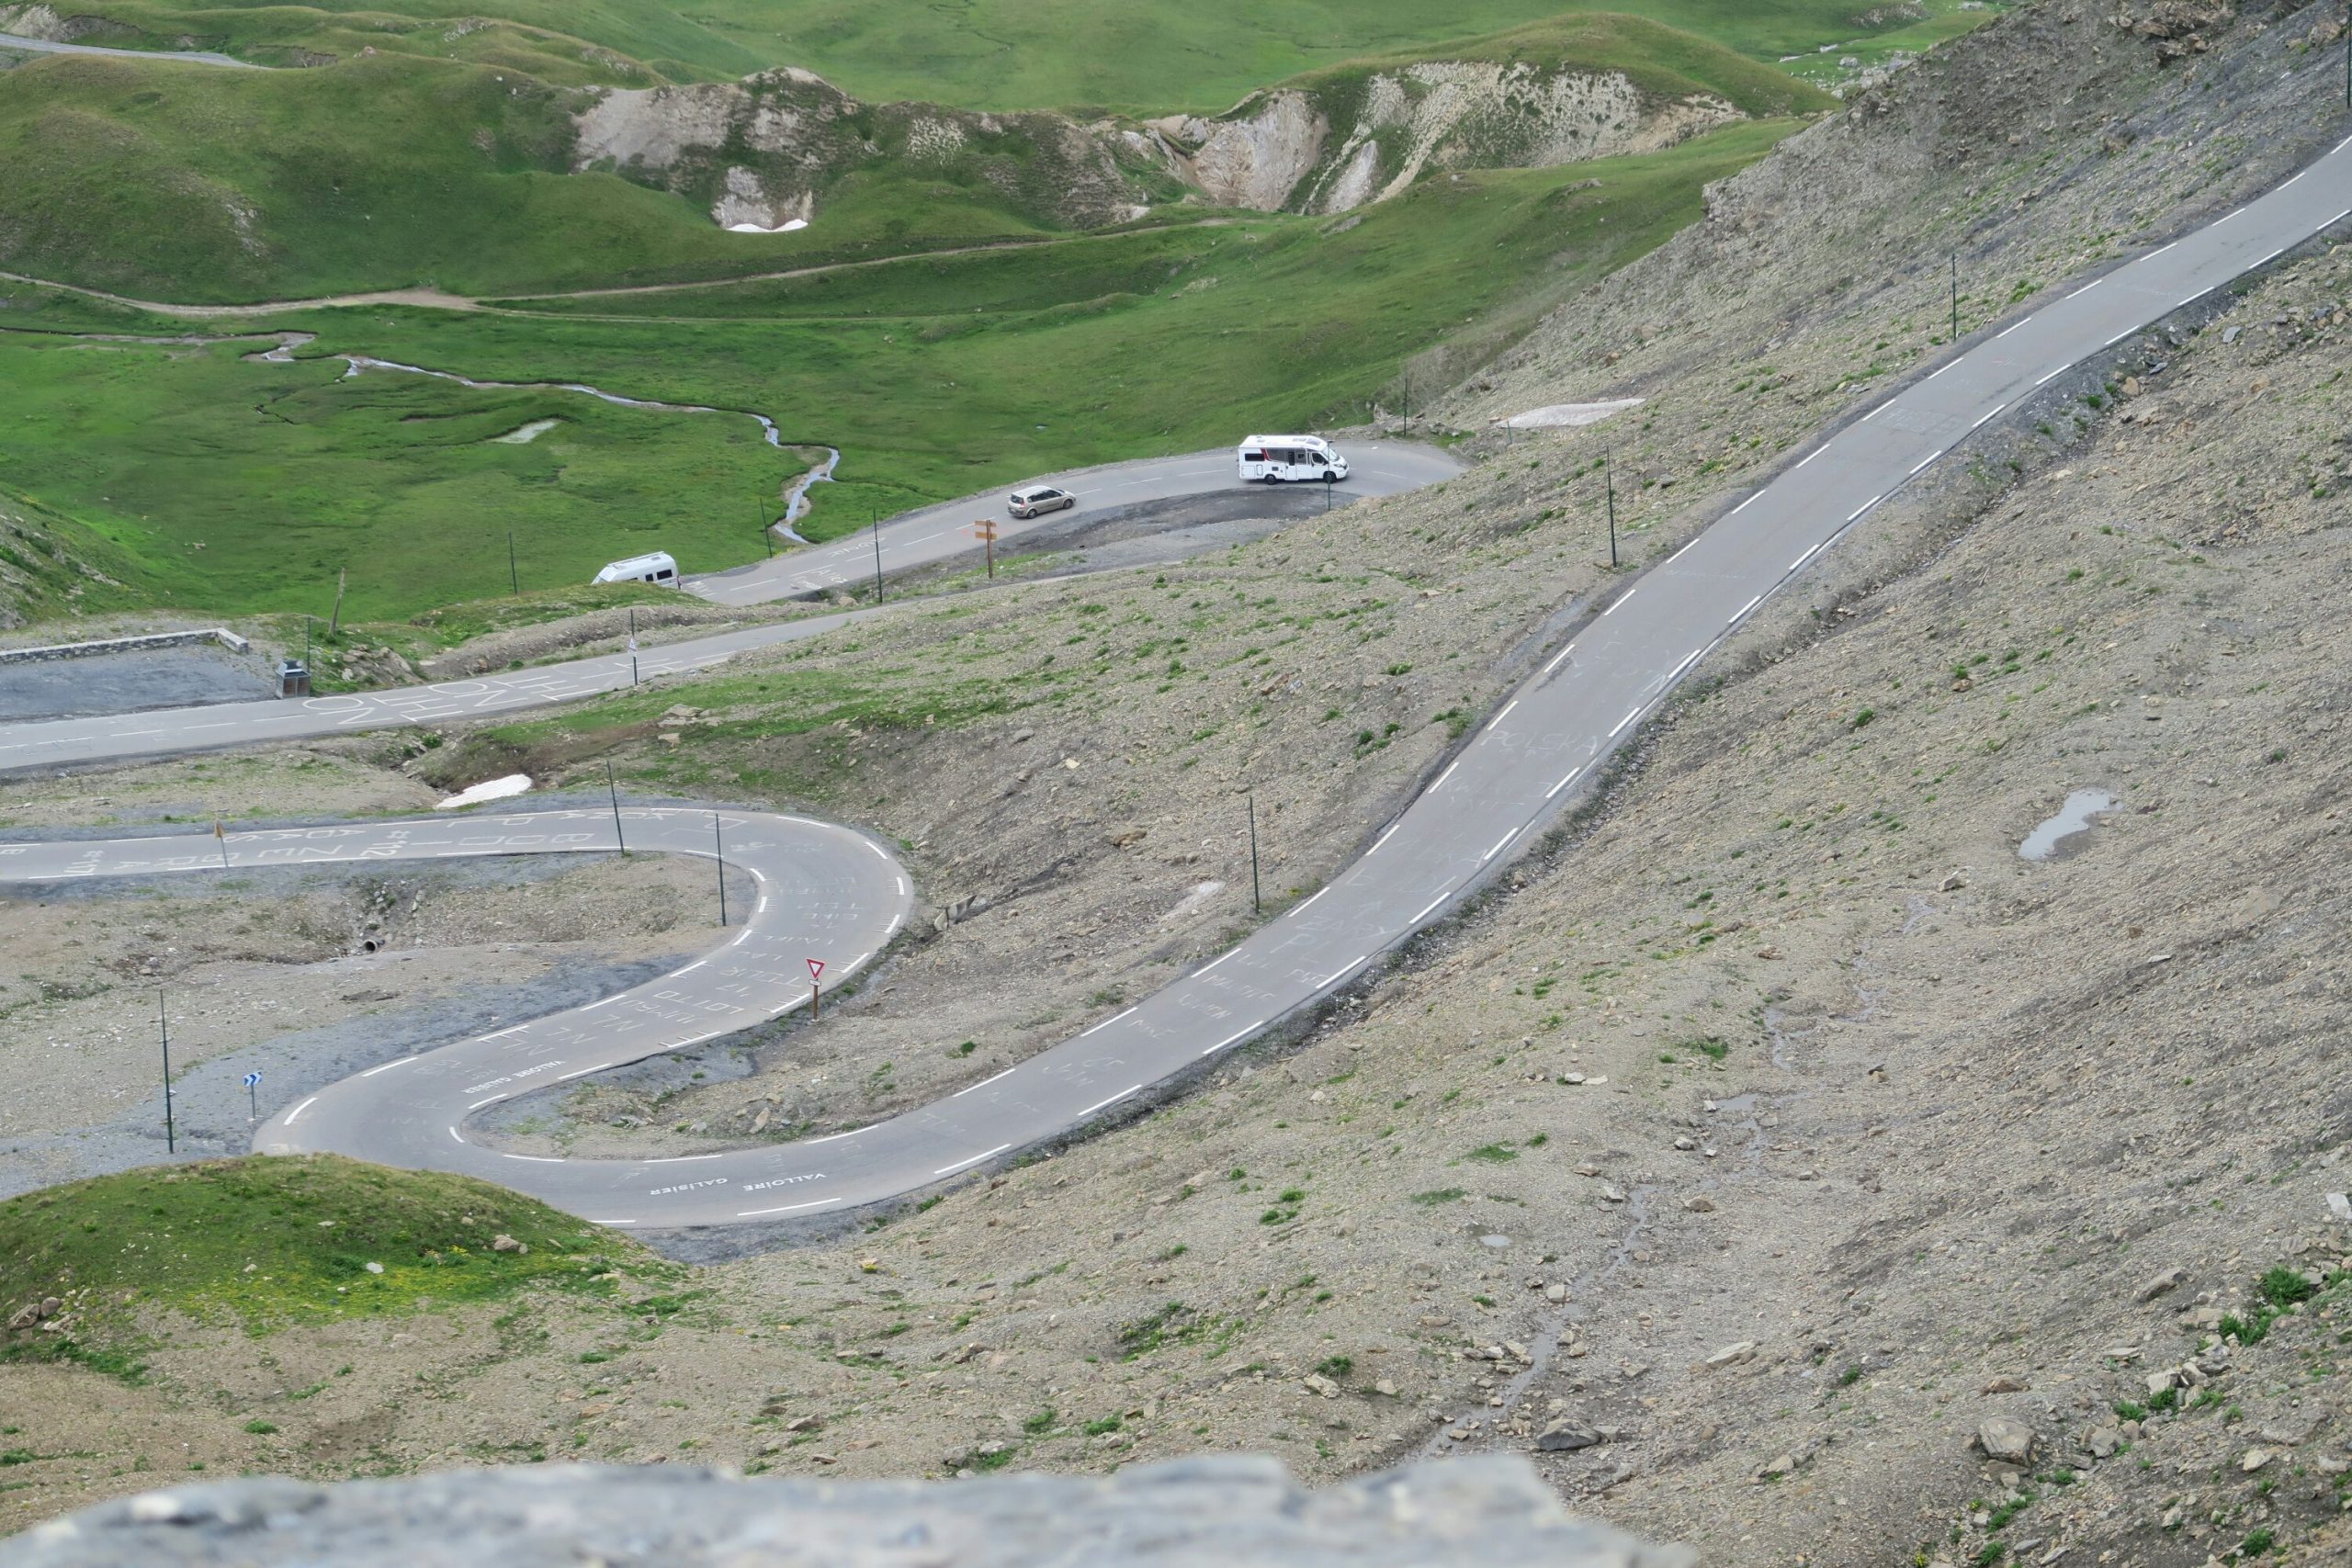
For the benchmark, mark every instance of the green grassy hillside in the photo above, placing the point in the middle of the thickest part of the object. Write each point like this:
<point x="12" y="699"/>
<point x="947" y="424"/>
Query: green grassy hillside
<point x="246" y="487"/>
<point x="268" y="1241"/>
<point x="174" y="182"/>
<point x="936" y="377"/>
<point x="1142" y="57"/>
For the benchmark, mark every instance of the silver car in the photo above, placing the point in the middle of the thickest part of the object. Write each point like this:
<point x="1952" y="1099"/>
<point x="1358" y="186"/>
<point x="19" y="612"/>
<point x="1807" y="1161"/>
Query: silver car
<point x="1037" y="500"/>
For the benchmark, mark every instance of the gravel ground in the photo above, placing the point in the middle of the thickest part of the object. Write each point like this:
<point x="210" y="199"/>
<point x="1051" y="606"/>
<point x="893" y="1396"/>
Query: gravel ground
<point x="265" y="972"/>
<point x="124" y="682"/>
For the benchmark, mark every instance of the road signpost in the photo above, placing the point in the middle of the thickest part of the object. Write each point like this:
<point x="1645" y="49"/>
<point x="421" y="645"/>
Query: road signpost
<point x="985" y="531"/>
<point x="221" y="832"/>
<point x="718" y="843"/>
<point x="252" y="1096"/>
<point x="816" y="973"/>
<point x="613" y="788"/>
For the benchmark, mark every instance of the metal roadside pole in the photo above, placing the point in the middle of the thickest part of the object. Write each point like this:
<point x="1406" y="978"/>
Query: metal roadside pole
<point x="719" y="845"/>
<point x="613" y="787"/>
<point x="163" y="1025"/>
<point x="632" y="645"/>
<point x="816" y="973"/>
<point x="514" y="580"/>
<point x="1257" y="898"/>
<point x="221" y="832"/>
<point x="253" y="1097"/>
<point x="1609" y="477"/>
<point x="875" y="522"/>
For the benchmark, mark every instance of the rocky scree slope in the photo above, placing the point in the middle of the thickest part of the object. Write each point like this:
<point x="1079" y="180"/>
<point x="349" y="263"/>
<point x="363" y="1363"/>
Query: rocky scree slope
<point x="1589" y="87"/>
<point x="761" y="150"/>
<point x="2056" y="137"/>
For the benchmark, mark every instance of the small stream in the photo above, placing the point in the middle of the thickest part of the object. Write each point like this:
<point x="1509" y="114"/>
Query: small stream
<point x="796" y="498"/>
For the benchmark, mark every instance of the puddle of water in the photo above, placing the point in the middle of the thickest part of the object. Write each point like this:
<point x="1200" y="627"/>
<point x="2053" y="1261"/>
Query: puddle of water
<point x="2050" y="840"/>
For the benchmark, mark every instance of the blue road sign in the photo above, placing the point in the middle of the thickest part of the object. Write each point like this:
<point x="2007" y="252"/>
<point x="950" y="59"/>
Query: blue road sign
<point x="253" y="1080"/>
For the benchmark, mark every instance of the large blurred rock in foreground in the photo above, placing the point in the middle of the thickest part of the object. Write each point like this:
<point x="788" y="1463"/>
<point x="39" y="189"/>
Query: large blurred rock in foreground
<point x="1488" y="1512"/>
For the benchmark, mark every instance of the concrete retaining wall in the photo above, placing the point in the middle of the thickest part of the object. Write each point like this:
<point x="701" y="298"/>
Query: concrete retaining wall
<point x="220" y="635"/>
<point x="1222" y="1512"/>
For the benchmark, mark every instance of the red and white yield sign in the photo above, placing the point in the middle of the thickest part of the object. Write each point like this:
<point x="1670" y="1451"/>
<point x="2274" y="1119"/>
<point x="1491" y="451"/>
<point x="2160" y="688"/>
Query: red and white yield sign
<point x="816" y="970"/>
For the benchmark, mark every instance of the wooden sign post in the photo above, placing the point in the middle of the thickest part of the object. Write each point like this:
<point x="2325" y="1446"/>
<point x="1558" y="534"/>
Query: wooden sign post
<point x="986" y="530"/>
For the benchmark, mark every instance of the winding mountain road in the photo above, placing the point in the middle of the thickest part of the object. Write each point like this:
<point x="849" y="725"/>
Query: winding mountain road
<point x="1504" y="786"/>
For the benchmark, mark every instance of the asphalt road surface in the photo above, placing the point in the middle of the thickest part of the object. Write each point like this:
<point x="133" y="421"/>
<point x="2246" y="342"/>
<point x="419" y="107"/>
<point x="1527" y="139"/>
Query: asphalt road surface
<point x="1503" y="787"/>
<point x="937" y="533"/>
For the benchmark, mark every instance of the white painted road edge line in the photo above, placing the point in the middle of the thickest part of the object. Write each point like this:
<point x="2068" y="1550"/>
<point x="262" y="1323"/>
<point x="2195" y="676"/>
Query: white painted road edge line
<point x="1115" y="1099"/>
<point x="300" y="1109"/>
<point x="388" y="1067"/>
<point x="754" y="1214"/>
<point x="948" y="1170"/>
<point x="1564" y="783"/>
<point x="983" y="1083"/>
<point x="1237" y="1034"/>
<point x="1107" y="1022"/>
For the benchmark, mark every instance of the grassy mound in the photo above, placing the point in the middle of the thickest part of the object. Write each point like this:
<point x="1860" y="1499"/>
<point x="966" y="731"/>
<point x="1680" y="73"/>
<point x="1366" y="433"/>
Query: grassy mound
<point x="265" y="1242"/>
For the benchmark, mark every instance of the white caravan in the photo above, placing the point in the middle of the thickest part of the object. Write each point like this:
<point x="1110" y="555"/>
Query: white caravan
<point x="1271" y="459"/>
<point x="657" y="567"/>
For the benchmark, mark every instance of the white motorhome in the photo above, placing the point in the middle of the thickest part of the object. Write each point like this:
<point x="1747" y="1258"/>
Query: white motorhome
<point x="1271" y="459"/>
<point x="657" y="568"/>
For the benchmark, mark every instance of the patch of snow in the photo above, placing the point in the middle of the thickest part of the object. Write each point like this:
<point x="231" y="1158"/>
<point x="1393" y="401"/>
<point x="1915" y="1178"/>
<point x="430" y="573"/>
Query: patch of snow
<point x="786" y="227"/>
<point x="1568" y="416"/>
<point x="523" y="435"/>
<point x="489" y="789"/>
